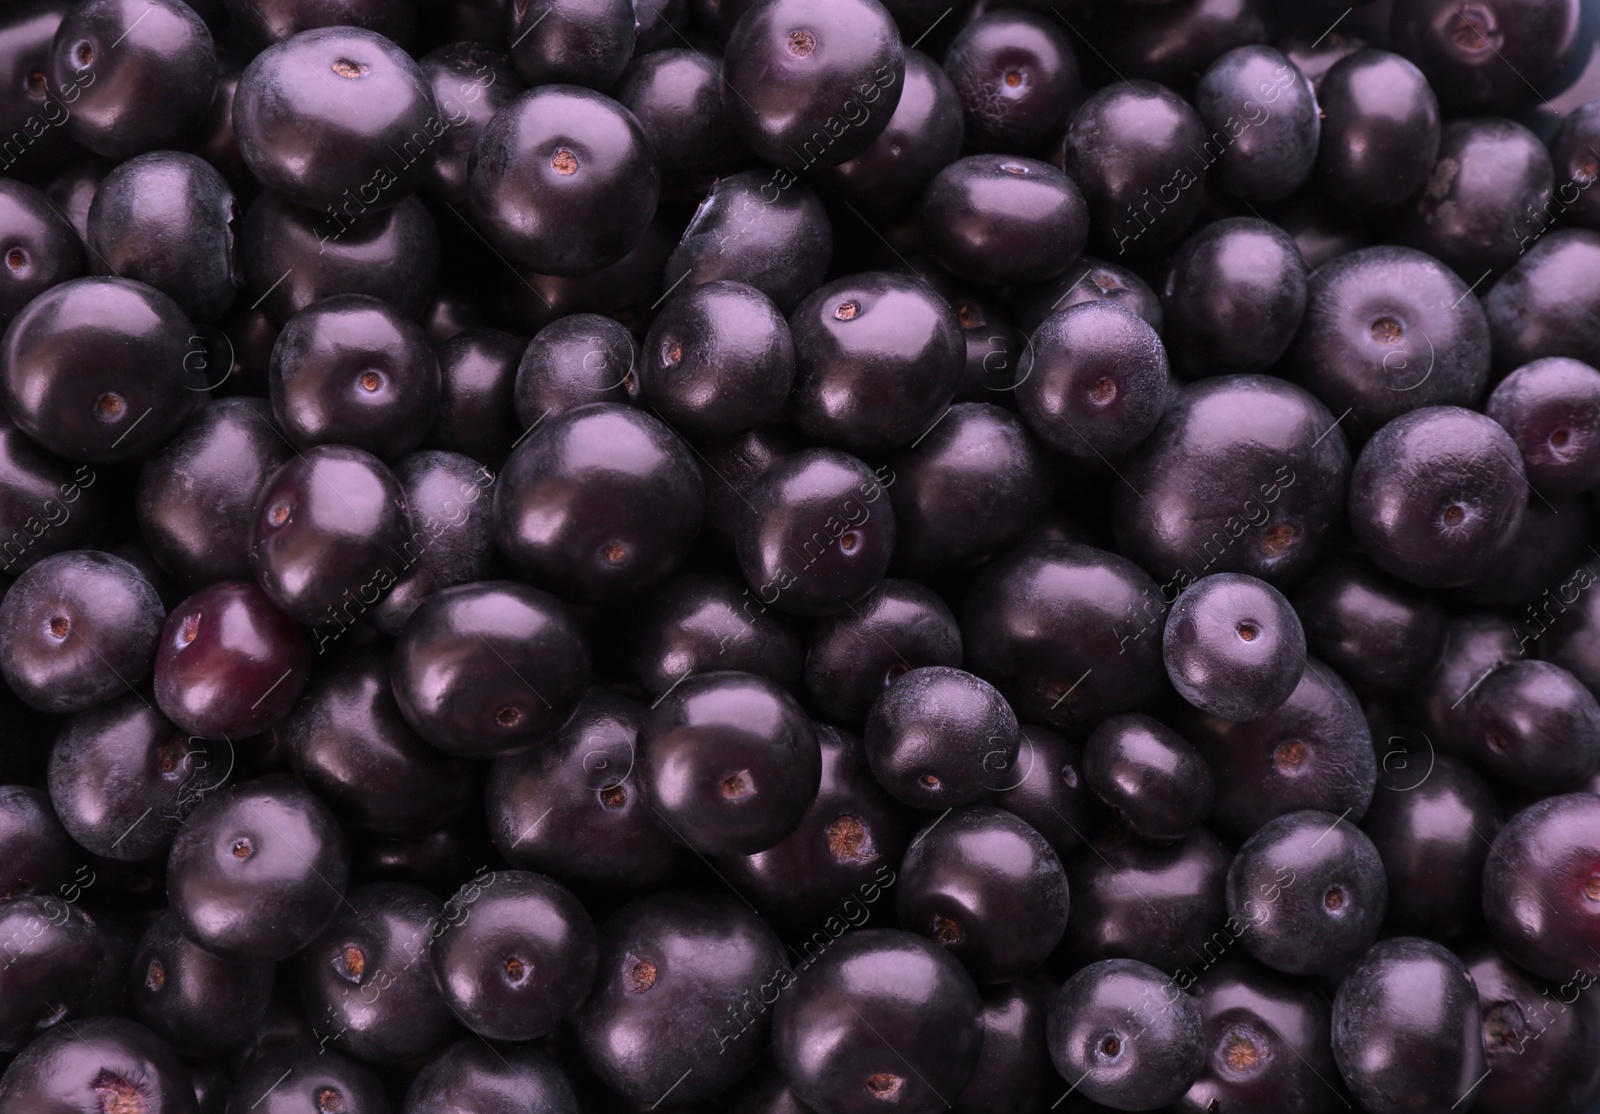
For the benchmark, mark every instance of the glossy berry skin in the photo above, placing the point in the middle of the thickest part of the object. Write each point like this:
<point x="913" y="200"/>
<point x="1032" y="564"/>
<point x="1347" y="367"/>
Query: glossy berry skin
<point x="676" y="94"/>
<point x="79" y="628"/>
<point x="56" y="951"/>
<point x="303" y="1076"/>
<point x="1258" y="99"/>
<point x="845" y="848"/>
<point x="598" y="501"/>
<point x="836" y="1030"/>
<point x="1234" y="297"/>
<point x="1092" y="380"/>
<point x="257" y="871"/>
<point x="1537" y="308"/>
<point x="1267" y="1043"/>
<point x="1534" y="725"/>
<point x="697" y="623"/>
<point x="573" y="807"/>
<point x="515" y="956"/>
<point x="1485" y="58"/>
<point x="477" y="376"/>
<point x="1406" y="1027"/>
<point x="273" y="21"/>
<point x="351" y="370"/>
<point x="1128" y="1032"/>
<point x="807" y="83"/>
<point x="816" y="532"/>
<point x="1073" y="660"/>
<point x="169" y="220"/>
<point x="754" y="228"/>
<point x="1149" y="775"/>
<point x="36" y="849"/>
<point x="95" y="1062"/>
<point x="973" y="486"/>
<point x="671" y="965"/>
<point x="88" y="358"/>
<point x="940" y="737"/>
<point x="1535" y="1051"/>
<point x="452" y="540"/>
<point x="1437" y="495"/>
<point x="1486" y="169"/>
<point x="25" y="42"/>
<point x="922" y="138"/>
<point x="472" y="1076"/>
<point x="857" y="653"/>
<point x="367" y="979"/>
<point x="732" y="470"/>
<point x="1017" y="77"/>
<point x="1389" y="330"/>
<point x="337" y="117"/>
<point x="577" y="360"/>
<point x="326" y="534"/>
<point x="1004" y="220"/>
<point x="1380" y="130"/>
<point x="294" y="257"/>
<point x="563" y="180"/>
<point x="1089" y="280"/>
<point x="41" y="248"/>
<point x="1432" y="819"/>
<point x="122" y="777"/>
<point x="197" y="1003"/>
<point x="197" y="494"/>
<point x="1233" y="646"/>
<point x="470" y="83"/>
<point x="463" y="668"/>
<point x="1047" y="789"/>
<point x="1314" y="751"/>
<point x="347" y="741"/>
<point x="1382" y="636"/>
<point x="1157" y="903"/>
<point x="1310" y="891"/>
<point x="878" y="356"/>
<point x="1551" y="409"/>
<point x="140" y="77"/>
<point x="730" y="762"/>
<point x="1243" y="474"/>
<point x="1547" y="855"/>
<point x="718" y="360"/>
<point x="1129" y="146"/>
<point x="229" y="664"/>
<point x="986" y="886"/>
<point x="571" y="42"/>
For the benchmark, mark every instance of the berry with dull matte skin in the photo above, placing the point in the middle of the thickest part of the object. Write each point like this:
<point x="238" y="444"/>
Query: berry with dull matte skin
<point x="79" y="628"/>
<point x="1017" y="77"/>
<point x="99" y="1064"/>
<point x="1093" y="380"/>
<point x="1233" y="646"/>
<point x="1133" y="1039"/>
<point x="988" y="888"/>
<point x="1309" y="891"/>
<point x="1551" y="408"/>
<point x="730" y="761"/>
<point x="882" y="1019"/>
<point x="697" y="974"/>
<point x="257" y="871"/>
<point x="464" y="665"/>
<point x="304" y="1078"/>
<point x="940" y="737"/>
<point x="1149" y="775"/>
<point x="1540" y="308"/>
<point x="1437" y="496"/>
<point x="1575" y="153"/>
<point x="229" y="663"/>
